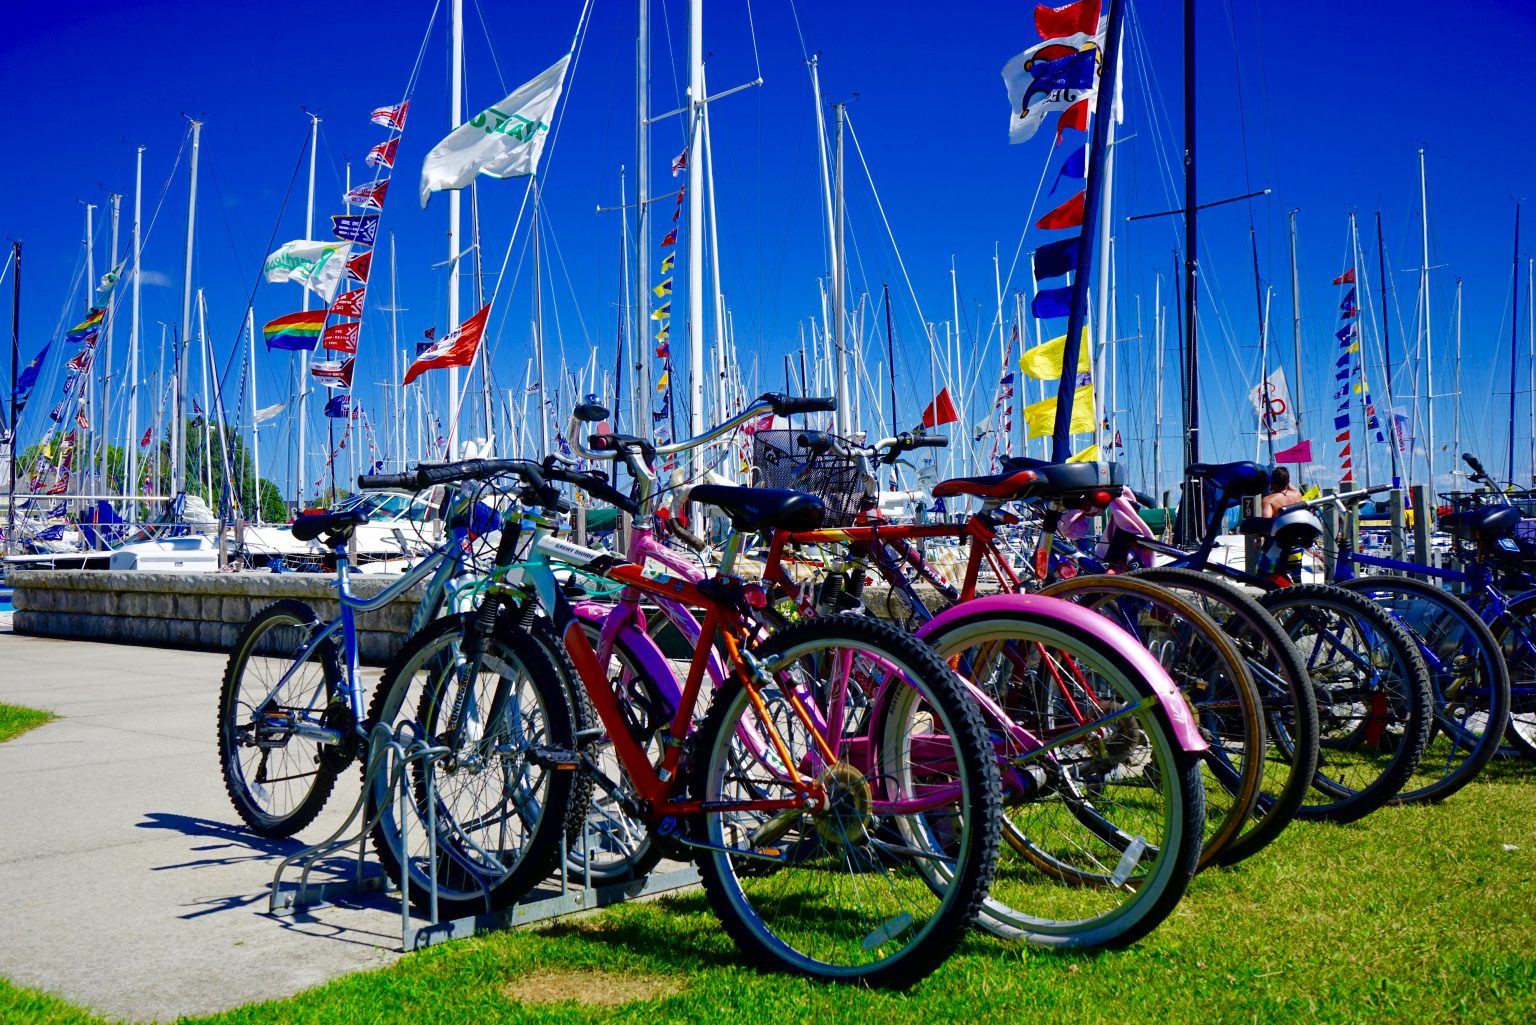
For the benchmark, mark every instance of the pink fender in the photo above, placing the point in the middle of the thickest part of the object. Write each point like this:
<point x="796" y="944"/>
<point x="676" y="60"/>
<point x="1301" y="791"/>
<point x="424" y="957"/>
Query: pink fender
<point x="1123" y="516"/>
<point x="1082" y="620"/>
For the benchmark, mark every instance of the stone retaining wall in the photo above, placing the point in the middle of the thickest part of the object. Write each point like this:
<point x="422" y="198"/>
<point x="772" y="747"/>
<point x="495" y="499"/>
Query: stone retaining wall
<point x="192" y="610"/>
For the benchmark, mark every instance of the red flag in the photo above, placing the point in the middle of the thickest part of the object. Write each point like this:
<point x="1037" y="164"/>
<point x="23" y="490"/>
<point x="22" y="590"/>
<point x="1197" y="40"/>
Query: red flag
<point x="456" y="349"/>
<point x="671" y="239"/>
<point x="340" y="337"/>
<point x="359" y="264"/>
<point x="383" y="155"/>
<point x="1349" y="314"/>
<point x="1067" y="215"/>
<point x="334" y="373"/>
<point x="1075" y="116"/>
<point x="430" y="333"/>
<point x="940" y="411"/>
<point x="1301" y="452"/>
<point x="1343" y="452"/>
<point x="144" y="441"/>
<point x="348" y="304"/>
<point x="1347" y="278"/>
<point x="1053" y="23"/>
<point x="391" y="117"/>
<point x="680" y="163"/>
<point x="369" y="195"/>
<point x="1343" y="436"/>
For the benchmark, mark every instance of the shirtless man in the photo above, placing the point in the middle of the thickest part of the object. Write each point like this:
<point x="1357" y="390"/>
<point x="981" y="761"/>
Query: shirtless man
<point x="1281" y="492"/>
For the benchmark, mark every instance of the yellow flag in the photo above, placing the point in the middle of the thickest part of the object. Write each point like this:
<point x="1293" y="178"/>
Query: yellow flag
<point x="665" y="288"/>
<point x="1041" y="416"/>
<point x="1313" y="492"/>
<point x="1353" y="347"/>
<point x="1043" y="362"/>
<point x="1087" y="455"/>
<point x="661" y="385"/>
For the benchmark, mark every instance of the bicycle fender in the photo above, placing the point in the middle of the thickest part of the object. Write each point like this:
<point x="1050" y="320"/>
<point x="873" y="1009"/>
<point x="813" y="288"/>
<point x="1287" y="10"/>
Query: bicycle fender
<point x="653" y="662"/>
<point x="1182" y="721"/>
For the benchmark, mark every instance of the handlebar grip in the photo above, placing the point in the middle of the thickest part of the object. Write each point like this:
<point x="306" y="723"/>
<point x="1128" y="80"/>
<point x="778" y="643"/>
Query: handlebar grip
<point x="596" y="485"/>
<point x="388" y="481"/>
<point x="447" y="473"/>
<point x="788" y="405"/>
<point x="1472" y="461"/>
<point x="930" y="441"/>
<point x="816" y="441"/>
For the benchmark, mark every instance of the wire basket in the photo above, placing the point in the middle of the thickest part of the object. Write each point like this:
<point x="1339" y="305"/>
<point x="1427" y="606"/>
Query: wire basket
<point x="836" y="480"/>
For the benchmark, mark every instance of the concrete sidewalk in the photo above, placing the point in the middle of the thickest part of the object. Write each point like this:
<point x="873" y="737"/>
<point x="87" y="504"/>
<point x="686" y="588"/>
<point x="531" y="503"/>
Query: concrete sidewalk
<point x="131" y="887"/>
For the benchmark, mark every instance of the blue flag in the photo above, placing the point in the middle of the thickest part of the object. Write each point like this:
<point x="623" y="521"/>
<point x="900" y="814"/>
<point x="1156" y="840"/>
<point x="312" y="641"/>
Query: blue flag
<point x="1054" y="259"/>
<point x="1074" y="71"/>
<point x="1075" y="166"/>
<point x="1052" y="303"/>
<point x="1348" y="302"/>
<point x="339" y="406"/>
<point x="1345" y="333"/>
<point x="28" y="378"/>
<point x="1340" y="422"/>
<point x="359" y="228"/>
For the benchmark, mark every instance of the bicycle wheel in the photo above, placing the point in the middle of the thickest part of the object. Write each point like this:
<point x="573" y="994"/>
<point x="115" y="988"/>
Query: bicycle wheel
<point x="1285" y="688"/>
<point x="1103" y="812"/>
<point x="498" y="802"/>
<point x="1373" y="697"/>
<point x="277" y="776"/>
<point x="1469" y="682"/>
<point x="1209" y="671"/>
<point x="1515" y="630"/>
<point x="879" y="883"/>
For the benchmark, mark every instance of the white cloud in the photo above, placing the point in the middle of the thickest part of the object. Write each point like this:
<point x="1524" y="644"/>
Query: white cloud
<point x="154" y="277"/>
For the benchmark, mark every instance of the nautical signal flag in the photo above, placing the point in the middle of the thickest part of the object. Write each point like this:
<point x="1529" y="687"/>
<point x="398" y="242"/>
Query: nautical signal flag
<point x="333" y="373"/>
<point x="340" y="337"/>
<point x="358" y="266"/>
<point x="671" y="239"/>
<point x="339" y="407"/>
<point x="1087" y="455"/>
<point x="348" y="304"/>
<point x="1075" y="166"/>
<point x="297" y="331"/>
<point x="82" y="361"/>
<point x="680" y="162"/>
<point x="1301" y="452"/>
<point x="28" y="378"/>
<point x="1053" y="23"/>
<point x="1043" y="362"/>
<point x="1347" y="304"/>
<point x="1041" y="416"/>
<point x="148" y="434"/>
<point x="1052" y="303"/>
<point x="370" y="195"/>
<point x="1054" y="259"/>
<point x="383" y="155"/>
<point x="391" y="117"/>
<point x="941" y="410"/>
<point x="665" y="288"/>
<point x="1075" y="116"/>
<point x="1067" y="215"/>
<point x="662" y="312"/>
<point x="359" y="228"/>
<point x="1347" y="278"/>
<point x="457" y="348"/>
<point x="667" y="262"/>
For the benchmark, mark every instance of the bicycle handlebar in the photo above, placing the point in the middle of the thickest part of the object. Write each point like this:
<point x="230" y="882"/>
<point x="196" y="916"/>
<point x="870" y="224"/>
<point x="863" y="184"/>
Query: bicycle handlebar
<point x="886" y="449"/>
<point x="387" y="481"/>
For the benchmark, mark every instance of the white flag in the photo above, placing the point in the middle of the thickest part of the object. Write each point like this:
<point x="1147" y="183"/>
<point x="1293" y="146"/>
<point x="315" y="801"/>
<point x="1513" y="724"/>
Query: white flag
<point x="318" y="266"/>
<point x="1050" y="77"/>
<point x="1272" y="402"/>
<point x="503" y="142"/>
<point x="266" y="413"/>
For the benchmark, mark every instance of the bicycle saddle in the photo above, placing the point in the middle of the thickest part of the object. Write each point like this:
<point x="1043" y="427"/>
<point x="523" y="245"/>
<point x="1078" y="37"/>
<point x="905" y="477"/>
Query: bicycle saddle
<point x="1061" y="478"/>
<point x="1485" y="523"/>
<point x="312" y="525"/>
<point x="753" y="509"/>
<point x="1008" y="485"/>
<point x="1233" y="479"/>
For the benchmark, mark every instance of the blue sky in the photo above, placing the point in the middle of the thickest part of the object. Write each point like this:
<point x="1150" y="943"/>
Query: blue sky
<point x="1329" y="119"/>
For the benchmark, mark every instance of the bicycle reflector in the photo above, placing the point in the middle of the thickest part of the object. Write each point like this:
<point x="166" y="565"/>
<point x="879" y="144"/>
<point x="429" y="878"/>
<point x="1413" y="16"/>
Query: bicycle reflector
<point x="756" y="596"/>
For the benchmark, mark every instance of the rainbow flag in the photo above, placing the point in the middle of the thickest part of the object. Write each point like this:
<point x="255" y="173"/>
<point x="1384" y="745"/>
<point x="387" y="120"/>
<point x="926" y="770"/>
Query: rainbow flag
<point x="86" y="326"/>
<point x="294" y="331"/>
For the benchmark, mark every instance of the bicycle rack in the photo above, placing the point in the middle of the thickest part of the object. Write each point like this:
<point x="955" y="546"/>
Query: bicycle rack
<point x="390" y="754"/>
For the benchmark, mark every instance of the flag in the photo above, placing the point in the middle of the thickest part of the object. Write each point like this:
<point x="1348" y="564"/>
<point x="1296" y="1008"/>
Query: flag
<point x="1343" y="435"/>
<point x="1052" y="303"/>
<point x="358" y="266"/>
<point x="430" y="333"/>
<point x="455" y="349"/>
<point x="665" y="288"/>
<point x="662" y="312"/>
<point x="1067" y="215"/>
<point x="81" y="363"/>
<point x="339" y="407"/>
<point x="1347" y="278"/>
<point x="1271" y="401"/>
<point x="1341" y="423"/>
<point x="348" y="304"/>
<point x="84" y="423"/>
<point x="1075" y="166"/>
<point x="333" y="373"/>
<point x="664" y="380"/>
<point x="503" y="141"/>
<point x="1043" y="362"/>
<point x="391" y="117"/>
<point x="297" y="331"/>
<point x="1082" y="16"/>
<point x="340" y="337"/>
<point x="680" y="162"/>
<point x="671" y="238"/>
<point x="1054" y="259"/>
<point x="941" y="410"/>
<point x="359" y="228"/>
<point x="1345" y="333"/>
<point x="667" y="262"/>
<point x="383" y="155"/>
<point x="1301" y="452"/>
<point x="1049" y="76"/>
<point x="1075" y="116"/>
<point x="370" y="195"/>
<point x="110" y="279"/>
<point x="318" y="266"/>
<point x="28" y="377"/>
<point x="1041" y="416"/>
<point x="195" y="407"/>
<point x="86" y="327"/>
<point x="148" y="434"/>
<point x="266" y="413"/>
<point x="1087" y="455"/>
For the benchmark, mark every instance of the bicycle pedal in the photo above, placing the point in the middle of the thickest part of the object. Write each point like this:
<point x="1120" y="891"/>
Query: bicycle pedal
<point x="558" y="759"/>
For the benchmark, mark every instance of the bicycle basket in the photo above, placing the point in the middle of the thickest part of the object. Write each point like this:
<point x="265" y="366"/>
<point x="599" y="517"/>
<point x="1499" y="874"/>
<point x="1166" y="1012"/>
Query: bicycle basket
<point x="835" y="480"/>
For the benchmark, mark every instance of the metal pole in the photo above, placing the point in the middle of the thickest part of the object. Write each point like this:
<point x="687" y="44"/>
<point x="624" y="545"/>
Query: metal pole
<point x="1429" y="345"/>
<point x="10" y="503"/>
<point x="1191" y="263"/>
<point x="542" y="410"/>
<point x="455" y="117"/>
<point x="1296" y="338"/>
<point x="707" y="153"/>
<point x="104" y="422"/>
<point x="1514" y="343"/>
<point x="839" y="299"/>
<point x="1386" y="345"/>
<point x="301" y="386"/>
<point x="179" y="389"/>
<point x="131" y="484"/>
<point x="250" y="326"/>
<point x="643" y="424"/>
<point x="695" y="229"/>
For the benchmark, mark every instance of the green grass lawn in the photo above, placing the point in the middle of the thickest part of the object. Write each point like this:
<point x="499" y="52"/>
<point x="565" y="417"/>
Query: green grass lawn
<point x="15" y="720"/>
<point x="1424" y="914"/>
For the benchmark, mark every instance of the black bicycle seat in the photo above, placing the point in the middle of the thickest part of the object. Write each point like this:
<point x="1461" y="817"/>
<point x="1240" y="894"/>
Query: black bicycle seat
<point x="753" y="509"/>
<point x="1063" y="478"/>
<point x="1233" y="479"/>
<point x="311" y="525"/>
<point x="1484" y="523"/>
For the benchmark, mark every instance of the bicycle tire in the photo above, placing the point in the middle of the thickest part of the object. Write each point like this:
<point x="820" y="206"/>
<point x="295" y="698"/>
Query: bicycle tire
<point x="251" y="788"/>
<point x="1355" y="715"/>
<point x="950" y="852"/>
<point x="1210" y="672"/>
<point x="1515" y="630"/>
<point x="1280" y="673"/>
<point x="1091" y="808"/>
<point x="1467" y="728"/>
<point x="476" y="875"/>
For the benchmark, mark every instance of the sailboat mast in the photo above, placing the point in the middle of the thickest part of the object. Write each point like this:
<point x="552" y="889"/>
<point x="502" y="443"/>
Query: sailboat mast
<point x="1456" y="409"/>
<point x="250" y="330"/>
<point x="455" y="117"/>
<point x="538" y="324"/>
<point x="1514" y="343"/>
<point x="839" y="285"/>
<point x="86" y="449"/>
<point x="695" y="229"/>
<point x="104" y="421"/>
<point x="1296" y="390"/>
<point x="1429" y="345"/>
<point x="1191" y="264"/>
<point x="10" y="493"/>
<point x="131" y="481"/>
<point x="301" y="386"/>
<point x="707" y="154"/>
<point x="178" y="426"/>
<point x="1159" y="323"/>
<point x="1386" y="346"/>
<point x="202" y="359"/>
<point x="643" y="425"/>
<point x="1530" y="318"/>
<point x="1357" y="260"/>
